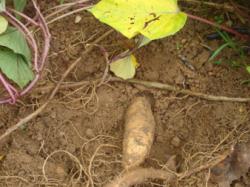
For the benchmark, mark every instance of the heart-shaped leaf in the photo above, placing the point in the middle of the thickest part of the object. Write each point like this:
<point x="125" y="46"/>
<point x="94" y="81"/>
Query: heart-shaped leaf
<point x="124" y="67"/>
<point x="14" y="40"/>
<point x="15" y="67"/>
<point x="153" y="19"/>
<point x="3" y="24"/>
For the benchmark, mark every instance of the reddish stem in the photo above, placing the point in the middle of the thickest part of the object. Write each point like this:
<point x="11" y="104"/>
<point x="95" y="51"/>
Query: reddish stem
<point x="222" y="27"/>
<point x="38" y="58"/>
<point x="8" y="89"/>
<point x="30" y="38"/>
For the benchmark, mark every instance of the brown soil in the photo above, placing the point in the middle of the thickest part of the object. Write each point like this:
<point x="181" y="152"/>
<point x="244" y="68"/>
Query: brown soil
<point x="77" y="140"/>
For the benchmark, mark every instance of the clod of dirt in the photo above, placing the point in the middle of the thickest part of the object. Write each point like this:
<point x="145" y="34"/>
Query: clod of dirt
<point x="24" y="164"/>
<point x="176" y="142"/>
<point x="201" y="59"/>
<point x="180" y="78"/>
<point x="152" y="75"/>
<point x="233" y="167"/>
<point x="139" y="132"/>
<point x="90" y="133"/>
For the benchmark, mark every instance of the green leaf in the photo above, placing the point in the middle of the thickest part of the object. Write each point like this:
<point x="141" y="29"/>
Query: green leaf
<point x="2" y="5"/>
<point x="20" y="4"/>
<point x="248" y="69"/>
<point x="124" y="67"/>
<point x="217" y="51"/>
<point x="218" y="62"/>
<point x="224" y="36"/>
<point x="14" y="40"/>
<point x="15" y="68"/>
<point x="3" y="24"/>
<point x="219" y="19"/>
<point x="153" y="19"/>
<point x="245" y="82"/>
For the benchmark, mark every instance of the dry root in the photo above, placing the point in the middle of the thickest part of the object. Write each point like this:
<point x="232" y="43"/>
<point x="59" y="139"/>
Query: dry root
<point x="139" y="176"/>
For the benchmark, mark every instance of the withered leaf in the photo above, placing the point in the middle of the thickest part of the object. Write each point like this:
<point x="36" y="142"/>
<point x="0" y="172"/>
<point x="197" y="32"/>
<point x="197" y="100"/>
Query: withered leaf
<point x="233" y="167"/>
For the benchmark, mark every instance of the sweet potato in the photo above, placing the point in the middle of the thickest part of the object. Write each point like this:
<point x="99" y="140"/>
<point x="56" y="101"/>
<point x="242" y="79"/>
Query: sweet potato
<point x="139" y="131"/>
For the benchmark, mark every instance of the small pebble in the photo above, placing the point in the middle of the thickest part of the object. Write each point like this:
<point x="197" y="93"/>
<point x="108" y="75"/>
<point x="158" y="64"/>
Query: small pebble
<point x="90" y="133"/>
<point x="176" y="141"/>
<point x="78" y="19"/>
<point x="183" y="41"/>
<point x="53" y="115"/>
<point x="211" y="73"/>
<point x="39" y="137"/>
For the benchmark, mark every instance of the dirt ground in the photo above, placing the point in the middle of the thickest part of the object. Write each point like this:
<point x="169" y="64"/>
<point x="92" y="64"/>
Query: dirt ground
<point x="77" y="140"/>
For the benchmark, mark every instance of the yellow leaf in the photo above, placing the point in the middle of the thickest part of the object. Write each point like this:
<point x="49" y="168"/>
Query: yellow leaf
<point x="3" y="24"/>
<point x="124" y="68"/>
<point x="166" y="25"/>
<point x="154" y="18"/>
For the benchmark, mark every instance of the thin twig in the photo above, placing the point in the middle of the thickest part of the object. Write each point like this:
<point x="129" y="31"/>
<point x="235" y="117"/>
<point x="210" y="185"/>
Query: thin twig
<point x="67" y="14"/>
<point x="225" y="6"/>
<point x="222" y="27"/>
<point x="183" y="91"/>
<point x="156" y="85"/>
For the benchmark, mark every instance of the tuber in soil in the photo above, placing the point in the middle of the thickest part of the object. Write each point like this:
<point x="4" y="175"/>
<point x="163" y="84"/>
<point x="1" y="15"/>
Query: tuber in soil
<point x="139" y="131"/>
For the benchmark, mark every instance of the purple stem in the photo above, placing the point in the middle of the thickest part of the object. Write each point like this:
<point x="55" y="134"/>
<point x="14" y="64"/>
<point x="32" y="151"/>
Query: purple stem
<point x="12" y="98"/>
<point x="18" y="24"/>
<point x="31" y="85"/>
<point x="222" y="27"/>
<point x="23" y="16"/>
<point x="46" y="35"/>
<point x="39" y="64"/>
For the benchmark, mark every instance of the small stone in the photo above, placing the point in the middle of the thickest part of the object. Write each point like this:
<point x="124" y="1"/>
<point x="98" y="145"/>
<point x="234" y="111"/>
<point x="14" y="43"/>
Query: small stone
<point x="211" y="73"/>
<point x="53" y="115"/>
<point x="39" y="137"/>
<point x="176" y="141"/>
<point x="78" y="19"/>
<point x="183" y="41"/>
<point x="90" y="133"/>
